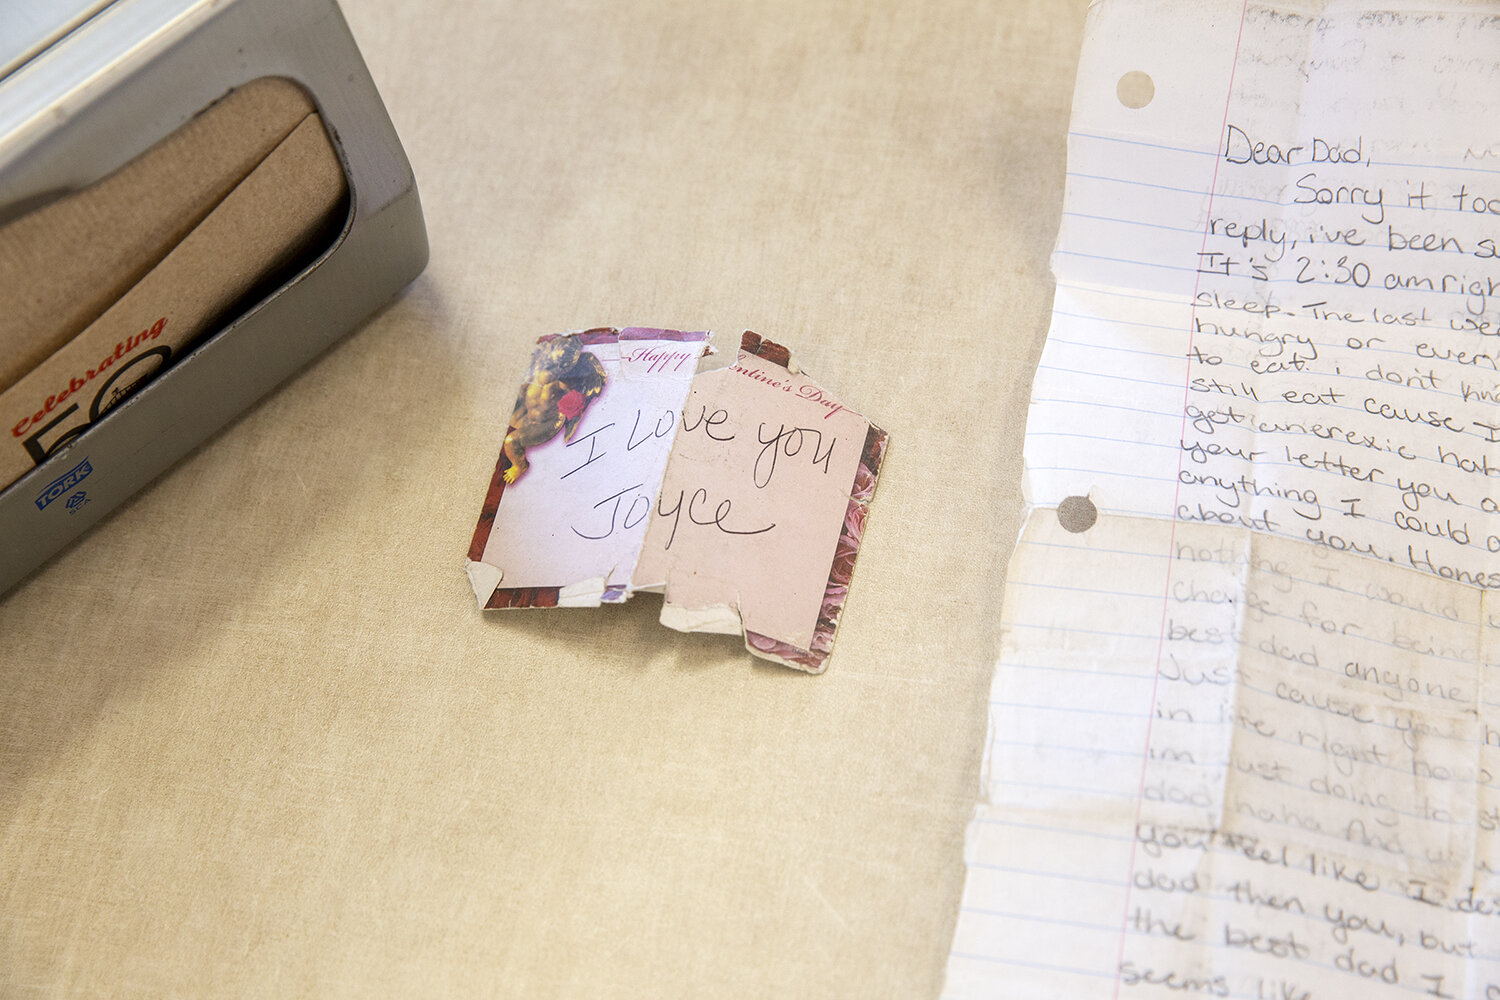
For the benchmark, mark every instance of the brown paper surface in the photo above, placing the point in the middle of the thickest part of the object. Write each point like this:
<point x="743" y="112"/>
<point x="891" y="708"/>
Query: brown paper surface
<point x="269" y="219"/>
<point x="255" y="739"/>
<point x="61" y="265"/>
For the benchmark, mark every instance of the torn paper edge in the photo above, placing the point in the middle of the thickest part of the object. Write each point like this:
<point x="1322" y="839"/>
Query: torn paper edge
<point x="814" y="659"/>
<point x="718" y="620"/>
<point x="483" y="578"/>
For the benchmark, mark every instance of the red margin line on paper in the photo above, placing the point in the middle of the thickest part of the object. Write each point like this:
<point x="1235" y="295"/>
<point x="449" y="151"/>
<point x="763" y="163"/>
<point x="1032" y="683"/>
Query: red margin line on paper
<point x="1140" y="796"/>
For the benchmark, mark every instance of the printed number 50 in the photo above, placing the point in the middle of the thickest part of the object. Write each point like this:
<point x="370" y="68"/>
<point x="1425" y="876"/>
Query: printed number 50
<point x="103" y="401"/>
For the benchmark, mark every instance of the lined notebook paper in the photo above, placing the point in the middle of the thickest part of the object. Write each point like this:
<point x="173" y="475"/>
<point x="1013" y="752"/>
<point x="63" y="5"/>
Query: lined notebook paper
<point x="1245" y="727"/>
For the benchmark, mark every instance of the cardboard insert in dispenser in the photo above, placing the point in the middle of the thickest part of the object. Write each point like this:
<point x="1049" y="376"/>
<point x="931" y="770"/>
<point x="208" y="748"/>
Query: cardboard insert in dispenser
<point x="113" y="284"/>
<point x="739" y="492"/>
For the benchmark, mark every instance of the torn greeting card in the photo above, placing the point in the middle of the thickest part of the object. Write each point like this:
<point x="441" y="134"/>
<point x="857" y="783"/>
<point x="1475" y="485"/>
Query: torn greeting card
<point x="738" y="491"/>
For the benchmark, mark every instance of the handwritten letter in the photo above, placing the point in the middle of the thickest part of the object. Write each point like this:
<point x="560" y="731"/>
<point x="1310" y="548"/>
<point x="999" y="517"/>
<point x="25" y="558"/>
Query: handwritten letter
<point x="1244" y="739"/>
<point x="1287" y="784"/>
<point x="1281" y="312"/>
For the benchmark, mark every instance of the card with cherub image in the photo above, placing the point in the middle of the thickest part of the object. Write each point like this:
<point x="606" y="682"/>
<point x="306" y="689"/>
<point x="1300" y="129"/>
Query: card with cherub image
<point x="584" y="451"/>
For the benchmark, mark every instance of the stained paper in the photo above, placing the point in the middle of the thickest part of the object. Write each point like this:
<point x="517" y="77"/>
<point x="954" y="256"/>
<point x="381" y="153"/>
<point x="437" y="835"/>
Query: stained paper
<point x="1243" y="727"/>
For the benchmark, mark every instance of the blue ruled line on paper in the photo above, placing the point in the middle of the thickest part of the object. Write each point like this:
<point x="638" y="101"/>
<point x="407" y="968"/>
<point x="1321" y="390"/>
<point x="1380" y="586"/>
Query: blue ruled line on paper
<point x="1248" y="467"/>
<point x="1035" y="965"/>
<point x="1113" y="883"/>
<point x="1182" y="357"/>
<point x="1074" y="133"/>
<point x="1064" y="831"/>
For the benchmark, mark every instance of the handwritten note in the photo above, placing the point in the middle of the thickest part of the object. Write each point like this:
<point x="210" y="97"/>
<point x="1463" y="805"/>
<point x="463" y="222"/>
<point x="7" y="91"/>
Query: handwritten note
<point x="740" y="493"/>
<point x="1241" y="741"/>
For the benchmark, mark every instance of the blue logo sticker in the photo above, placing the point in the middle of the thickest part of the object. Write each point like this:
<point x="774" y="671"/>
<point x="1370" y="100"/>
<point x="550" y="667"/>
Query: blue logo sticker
<point x="64" y="483"/>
